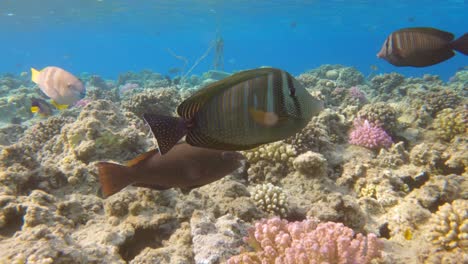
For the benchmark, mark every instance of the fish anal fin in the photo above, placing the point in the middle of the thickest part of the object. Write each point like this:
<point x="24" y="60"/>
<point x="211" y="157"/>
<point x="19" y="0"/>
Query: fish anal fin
<point x="59" y="106"/>
<point x="167" y="130"/>
<point x="113" y="177"/>
<point x="151" y="186"/>
<point x="142" y="157"/>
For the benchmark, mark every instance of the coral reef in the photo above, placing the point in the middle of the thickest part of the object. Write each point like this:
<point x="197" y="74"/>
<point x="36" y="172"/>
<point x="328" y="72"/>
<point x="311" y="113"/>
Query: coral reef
<point x="412" y="194"/>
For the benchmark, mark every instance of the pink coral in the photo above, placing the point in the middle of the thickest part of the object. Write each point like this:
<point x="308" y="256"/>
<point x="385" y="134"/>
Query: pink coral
<point x="369" y="135"/>
<point x="282" y="242"/>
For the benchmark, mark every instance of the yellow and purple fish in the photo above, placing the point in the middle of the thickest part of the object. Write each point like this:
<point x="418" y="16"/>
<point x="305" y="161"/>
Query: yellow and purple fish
<point x="41" y="107"/>
<point x="61" y="86"/>
<point x="184" y="167"/>
<point x="421" y="47"/>
<point x="240" y="112"/>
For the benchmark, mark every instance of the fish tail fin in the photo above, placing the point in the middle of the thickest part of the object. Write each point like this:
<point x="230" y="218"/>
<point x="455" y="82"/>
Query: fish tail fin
<point x="35" y="75"/>
<point x="461" y="44"/>
<point x="34" y="109"/>
<point x="113" y="177"/>
<point x="59" y="106"/>
<point x="167" y="130"/>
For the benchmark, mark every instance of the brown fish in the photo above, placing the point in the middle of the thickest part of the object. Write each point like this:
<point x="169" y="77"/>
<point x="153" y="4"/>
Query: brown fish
<point x="184" y="166"/>
<point x="421" y="46"/>
<point x="239" y="112"/>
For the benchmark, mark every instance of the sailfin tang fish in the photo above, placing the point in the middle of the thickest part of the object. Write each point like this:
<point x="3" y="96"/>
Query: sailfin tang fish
<point x="421" y="47"/>
<point x="240" y="112"/>
<point x="184" y="166"/>
<point x="61" y="86"/>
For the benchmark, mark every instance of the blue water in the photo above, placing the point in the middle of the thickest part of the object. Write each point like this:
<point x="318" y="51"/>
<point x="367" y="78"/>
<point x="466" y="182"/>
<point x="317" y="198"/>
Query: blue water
<point x="110" y="37"/>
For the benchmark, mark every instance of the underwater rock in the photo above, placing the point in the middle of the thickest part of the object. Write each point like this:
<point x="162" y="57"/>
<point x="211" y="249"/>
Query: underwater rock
<point x="102" y="131"/>
<point x="214" y="240"/>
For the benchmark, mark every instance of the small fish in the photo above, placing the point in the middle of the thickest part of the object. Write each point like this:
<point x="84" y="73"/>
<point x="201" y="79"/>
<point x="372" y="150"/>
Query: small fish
<point x="421" y="47"/>
<point x="184" y="167"/>
<point x="239" y="112"/>
<point x="174" y="70"/>
<point x="374" y="67"/>
<point x="61" y="86"/>
<point x="41" y="107"/>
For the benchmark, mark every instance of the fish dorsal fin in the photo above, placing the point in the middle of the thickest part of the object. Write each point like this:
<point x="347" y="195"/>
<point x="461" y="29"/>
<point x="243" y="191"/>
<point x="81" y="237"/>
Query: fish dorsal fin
<point x="141" y="157"/>
<point x="430" y="31"/>
<point x="191" y="105"/>
<point x="167" y="130"/>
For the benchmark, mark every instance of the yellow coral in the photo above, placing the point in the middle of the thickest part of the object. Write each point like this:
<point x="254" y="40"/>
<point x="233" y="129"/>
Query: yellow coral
<point x="270" y="199"/>
<point x="276" y="152"/>
<point x="450" y="226"/>
<point x="450" y="123"/>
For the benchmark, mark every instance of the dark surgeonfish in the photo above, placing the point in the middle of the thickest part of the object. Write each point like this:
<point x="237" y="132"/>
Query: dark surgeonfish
<point x="41" y="107"/>
<point x="421" y="46"/>
<point x="184" y="166"/>
<point x="240" y="112"/>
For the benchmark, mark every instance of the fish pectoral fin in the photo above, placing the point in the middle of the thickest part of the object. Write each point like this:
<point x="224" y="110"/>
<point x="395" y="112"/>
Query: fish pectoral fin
<point x="34" y="109"/>
<point x="59" y="106"/>
<point x="264" y="118"/>
<point x="151" y="186"/>
<point x="142" y="157"/>
<point x="35" y="75"/>
<point x="167" y="130"/>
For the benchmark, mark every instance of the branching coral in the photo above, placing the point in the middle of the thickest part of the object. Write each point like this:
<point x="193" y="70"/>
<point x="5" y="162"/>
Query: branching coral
<point x="270" y="199"/>
<point x="277" y="241"/>
<point x="369" y="135"/>
<point x="450" y="226"/>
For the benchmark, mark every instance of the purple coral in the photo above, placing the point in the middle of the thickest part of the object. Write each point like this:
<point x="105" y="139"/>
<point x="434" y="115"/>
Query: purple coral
<point x="369" y="135"/>
<point x="282" y="242"/>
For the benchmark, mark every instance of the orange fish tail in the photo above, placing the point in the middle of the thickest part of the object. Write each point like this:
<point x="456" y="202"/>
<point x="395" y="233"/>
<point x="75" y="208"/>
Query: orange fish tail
<point x="461" y="44"/>
<point x="113" y="177"/>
